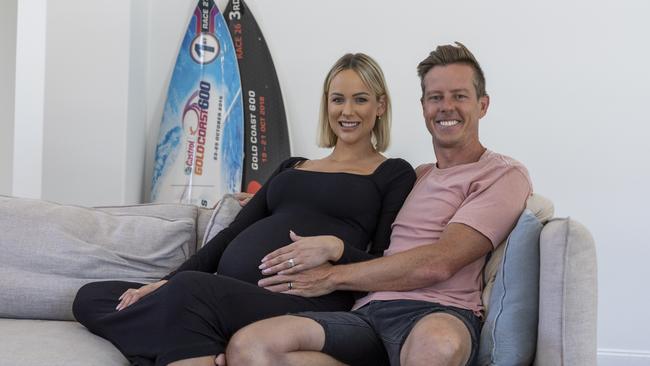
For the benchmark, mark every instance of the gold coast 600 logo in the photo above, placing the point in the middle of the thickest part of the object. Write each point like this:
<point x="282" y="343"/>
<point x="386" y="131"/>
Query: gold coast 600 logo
<point x="195" y="126"/>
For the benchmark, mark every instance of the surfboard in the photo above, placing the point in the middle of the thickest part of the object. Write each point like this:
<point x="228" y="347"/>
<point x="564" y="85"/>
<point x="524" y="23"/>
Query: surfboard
<point x="266" y="136"/>
<point x="199" y="156"/>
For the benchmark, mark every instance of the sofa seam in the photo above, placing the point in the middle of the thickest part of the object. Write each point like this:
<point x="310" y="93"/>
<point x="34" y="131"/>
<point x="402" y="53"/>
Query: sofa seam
<point x="564" y="289"/>
<point x="501" y="300"/>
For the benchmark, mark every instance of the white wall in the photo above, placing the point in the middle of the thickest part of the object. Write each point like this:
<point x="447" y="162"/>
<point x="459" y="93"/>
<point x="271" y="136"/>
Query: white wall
<point x="8" y="12"/>
<point x="27" y="165"/>
<point x="93" y="150"/>
<point x="568" y="82"/>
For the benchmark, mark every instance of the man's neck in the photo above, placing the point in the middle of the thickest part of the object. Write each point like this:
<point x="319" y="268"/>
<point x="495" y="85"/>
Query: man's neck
<point x="450" y="157"/>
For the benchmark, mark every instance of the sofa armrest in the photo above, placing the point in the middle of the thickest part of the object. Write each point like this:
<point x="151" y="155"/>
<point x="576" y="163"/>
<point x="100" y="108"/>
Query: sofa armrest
<point x="568" y="295"/>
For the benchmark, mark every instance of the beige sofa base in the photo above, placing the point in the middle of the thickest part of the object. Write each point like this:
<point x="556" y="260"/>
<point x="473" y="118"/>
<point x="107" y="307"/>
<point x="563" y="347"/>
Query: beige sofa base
<point x="54" y="343"/>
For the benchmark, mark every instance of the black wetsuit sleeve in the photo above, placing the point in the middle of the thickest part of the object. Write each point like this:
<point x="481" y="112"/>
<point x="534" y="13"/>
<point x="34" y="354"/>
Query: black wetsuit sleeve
<point x="207" y="258"/>
<point x="396" y="183"/>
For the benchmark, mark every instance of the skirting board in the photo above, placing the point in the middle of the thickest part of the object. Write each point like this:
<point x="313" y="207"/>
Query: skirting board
<point x="622" y="357"/>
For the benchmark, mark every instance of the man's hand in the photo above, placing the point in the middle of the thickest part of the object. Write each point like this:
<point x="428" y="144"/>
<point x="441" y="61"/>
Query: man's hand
<point x="243" y="198"/>
<point x="310" y="283"/>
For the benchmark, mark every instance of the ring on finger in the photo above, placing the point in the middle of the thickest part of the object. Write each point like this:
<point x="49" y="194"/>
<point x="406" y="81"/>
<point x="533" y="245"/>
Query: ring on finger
<point x="291" y="262"/>
<point x="290" y="285"/>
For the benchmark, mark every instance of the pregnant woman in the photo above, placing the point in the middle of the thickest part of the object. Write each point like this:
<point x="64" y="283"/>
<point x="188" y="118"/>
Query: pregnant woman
<point x="336" y="209"/>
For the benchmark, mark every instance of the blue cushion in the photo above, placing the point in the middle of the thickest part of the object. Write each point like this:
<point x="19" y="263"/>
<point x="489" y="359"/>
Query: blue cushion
<point x="509" y="335"/>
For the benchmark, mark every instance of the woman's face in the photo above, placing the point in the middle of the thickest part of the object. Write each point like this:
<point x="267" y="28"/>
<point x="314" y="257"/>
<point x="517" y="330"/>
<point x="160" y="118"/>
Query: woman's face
<point x="352" y="108"/>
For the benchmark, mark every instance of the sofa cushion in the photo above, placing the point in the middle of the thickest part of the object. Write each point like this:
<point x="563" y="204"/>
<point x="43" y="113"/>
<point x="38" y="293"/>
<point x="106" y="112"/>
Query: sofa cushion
<point x="568" y="295"/>
<point x="224" y="212"/>
<point x="170" y="211"/>
<point x="202" y="222"/>
<point x="50" y="250"/>
<point x="542" y="207"/>
<point x="38" y="342"/>
<point x="509" y="334"/>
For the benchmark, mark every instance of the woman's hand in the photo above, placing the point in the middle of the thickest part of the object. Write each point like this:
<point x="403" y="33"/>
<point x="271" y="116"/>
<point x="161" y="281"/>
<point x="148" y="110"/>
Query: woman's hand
<point x="304" y="253"/>
<point x="132" y="295"/>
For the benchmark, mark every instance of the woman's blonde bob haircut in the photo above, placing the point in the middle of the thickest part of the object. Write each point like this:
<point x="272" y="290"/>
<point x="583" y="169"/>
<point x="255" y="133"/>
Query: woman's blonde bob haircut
<point x="371" y="75"/>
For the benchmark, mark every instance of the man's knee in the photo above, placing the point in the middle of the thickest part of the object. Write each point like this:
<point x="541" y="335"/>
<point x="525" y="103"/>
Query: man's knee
<point x="441" y="337"/>
<point x="246" y="346"/>
<point x="259" y="343"/>
<point x="268" y="341"/>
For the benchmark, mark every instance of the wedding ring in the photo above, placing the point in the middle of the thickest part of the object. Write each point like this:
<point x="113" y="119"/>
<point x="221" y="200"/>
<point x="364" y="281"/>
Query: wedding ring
<point x="290" y="285"/>
<point x="291" y="263"/>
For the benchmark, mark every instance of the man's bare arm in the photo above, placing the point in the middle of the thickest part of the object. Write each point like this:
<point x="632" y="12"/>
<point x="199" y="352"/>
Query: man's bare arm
<point x="419" y="267"/>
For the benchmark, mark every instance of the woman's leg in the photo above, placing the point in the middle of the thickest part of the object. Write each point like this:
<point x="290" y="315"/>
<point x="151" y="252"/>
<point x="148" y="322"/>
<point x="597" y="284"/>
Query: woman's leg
<point x="193" y="315"/>
<point x="202" y="311"/>
<point x="134" y="331"/>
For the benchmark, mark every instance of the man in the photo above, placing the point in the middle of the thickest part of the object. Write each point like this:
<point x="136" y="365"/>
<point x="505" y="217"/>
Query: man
<point x="423" y="305"/>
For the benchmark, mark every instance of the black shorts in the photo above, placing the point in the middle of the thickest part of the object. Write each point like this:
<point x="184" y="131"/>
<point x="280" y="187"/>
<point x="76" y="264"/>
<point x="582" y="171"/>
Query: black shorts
<point x="375" y="333"/>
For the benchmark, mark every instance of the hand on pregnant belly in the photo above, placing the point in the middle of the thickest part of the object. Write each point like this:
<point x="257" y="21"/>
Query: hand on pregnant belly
<point x="304" y="253"/>
<point x="309" y="283"/>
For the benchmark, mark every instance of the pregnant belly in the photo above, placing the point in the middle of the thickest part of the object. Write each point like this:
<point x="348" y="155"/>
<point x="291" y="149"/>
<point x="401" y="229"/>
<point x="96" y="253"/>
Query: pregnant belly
<point x="243" y="256"/>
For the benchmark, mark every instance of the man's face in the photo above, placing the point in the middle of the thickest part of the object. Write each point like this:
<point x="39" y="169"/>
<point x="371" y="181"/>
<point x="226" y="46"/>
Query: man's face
<point x="450" y="106"/>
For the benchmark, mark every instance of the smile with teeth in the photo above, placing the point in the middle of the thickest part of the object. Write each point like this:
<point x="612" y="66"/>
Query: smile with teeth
<point x="449" y="123"/>
<point x="347" y="124"/>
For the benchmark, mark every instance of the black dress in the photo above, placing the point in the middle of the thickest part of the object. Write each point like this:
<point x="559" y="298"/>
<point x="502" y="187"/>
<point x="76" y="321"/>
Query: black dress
<point x="196" y="312"/>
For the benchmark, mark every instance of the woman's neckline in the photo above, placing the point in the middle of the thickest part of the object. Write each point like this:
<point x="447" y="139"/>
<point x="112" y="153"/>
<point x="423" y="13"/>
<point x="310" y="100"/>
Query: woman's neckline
<point x="326" y="172"/>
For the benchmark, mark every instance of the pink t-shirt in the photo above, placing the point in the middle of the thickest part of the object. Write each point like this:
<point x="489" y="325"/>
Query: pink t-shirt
<point x="488" y="195"/>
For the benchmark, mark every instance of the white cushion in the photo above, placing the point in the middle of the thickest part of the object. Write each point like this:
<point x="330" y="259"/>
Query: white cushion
<point x="224" y="212"/>
<point x="170" y="211"/>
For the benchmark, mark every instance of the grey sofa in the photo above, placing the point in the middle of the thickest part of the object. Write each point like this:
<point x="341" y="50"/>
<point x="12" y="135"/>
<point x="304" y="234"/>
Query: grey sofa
<point x="50" y="250"/>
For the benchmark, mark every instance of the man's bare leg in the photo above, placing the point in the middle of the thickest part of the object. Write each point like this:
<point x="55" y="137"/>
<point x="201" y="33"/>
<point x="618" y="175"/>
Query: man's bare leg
<point x="196" y="361"/>
<point x="438" y="339"/>
<point x="220" y="360"/>
<point x="284" y="340"/>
